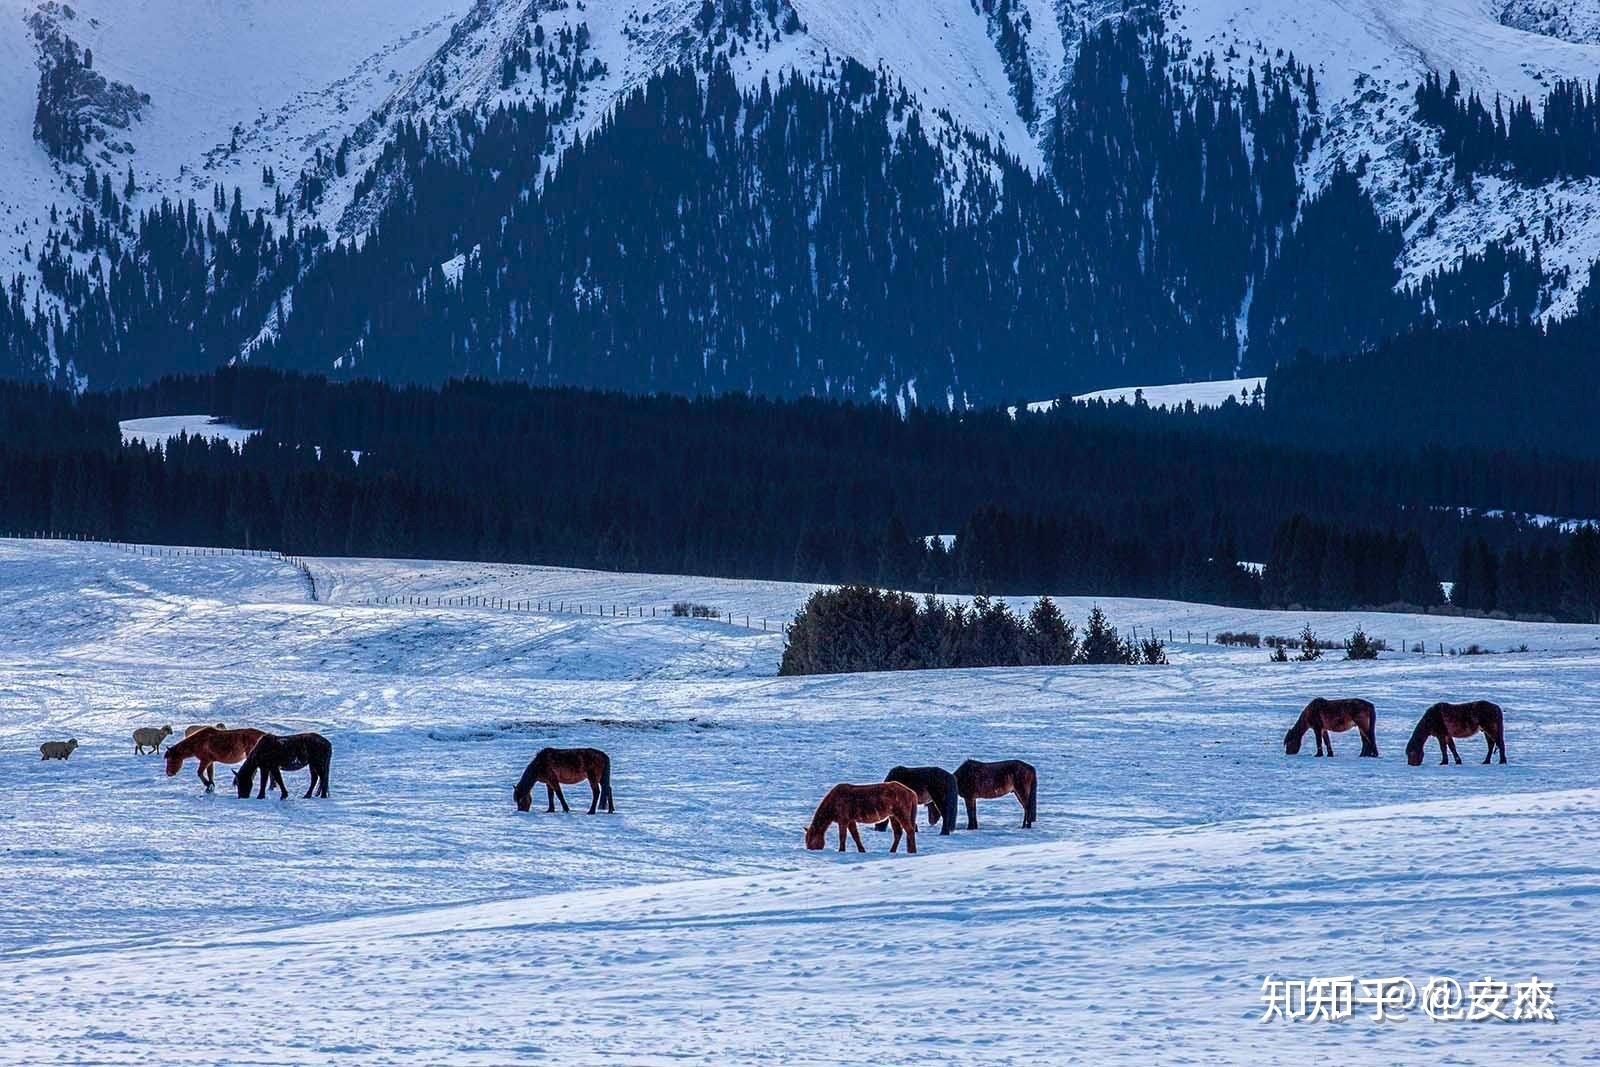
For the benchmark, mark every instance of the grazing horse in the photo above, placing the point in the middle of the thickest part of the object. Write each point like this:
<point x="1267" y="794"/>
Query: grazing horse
<point x="1322" y="716"/>
<point x="273" y="755"/>
<point x="209" y="746"/>
<point x="1446" y="722"/>
<point x="986" y="781"/>
<point x="848" y="804"/>
<point x="935" y="787"/>
<point x="556" y="767"/>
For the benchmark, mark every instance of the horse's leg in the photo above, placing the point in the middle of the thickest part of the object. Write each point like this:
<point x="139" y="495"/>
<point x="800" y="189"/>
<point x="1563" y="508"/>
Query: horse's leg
<point x="1328" y="740"/>
<point x="1444" y="750"/>
<point x="911" y="835"/>
<point x="550" y="792"/>
<point x="857" y="835"/>
<point x="1454" y="751"/>
<point x="594" y="787"/>
<point x="562" y="797"/>
<point x="1500" y="739"/>
<point x="894" y="846"/>
<point x="972" y="809"/>
<point x="933" y="814"/>
<point x="841" y="835"/>
<point x="207" y="780"/>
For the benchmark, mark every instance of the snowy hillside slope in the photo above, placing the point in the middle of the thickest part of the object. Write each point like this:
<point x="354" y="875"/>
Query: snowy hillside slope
<point x="280" y="79"/>
<point x="1179" y="858"/>
<point x="1369" y="56"/>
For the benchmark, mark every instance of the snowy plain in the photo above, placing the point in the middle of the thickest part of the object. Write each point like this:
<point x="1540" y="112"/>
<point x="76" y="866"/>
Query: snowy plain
<point x="1179" y="859"/>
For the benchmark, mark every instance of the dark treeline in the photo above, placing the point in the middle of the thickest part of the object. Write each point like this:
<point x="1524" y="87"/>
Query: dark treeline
<point x="1561" y="140"/>
<point x="1523" y="395"/>
<point x="1089" y="500"/>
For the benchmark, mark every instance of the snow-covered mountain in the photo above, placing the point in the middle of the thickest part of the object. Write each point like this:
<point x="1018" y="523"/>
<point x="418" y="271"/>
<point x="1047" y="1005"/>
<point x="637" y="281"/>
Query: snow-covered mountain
<point x="293" y="103"/>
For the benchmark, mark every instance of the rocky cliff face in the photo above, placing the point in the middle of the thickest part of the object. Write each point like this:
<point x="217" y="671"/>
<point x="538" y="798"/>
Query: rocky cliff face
<point x="80" y="115"/>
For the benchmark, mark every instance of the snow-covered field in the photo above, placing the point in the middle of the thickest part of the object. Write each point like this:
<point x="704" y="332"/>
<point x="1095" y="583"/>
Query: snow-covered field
<point x="1179" y="859"/>
<point x="1201" y="394"/>
<point x="163" y="428"/>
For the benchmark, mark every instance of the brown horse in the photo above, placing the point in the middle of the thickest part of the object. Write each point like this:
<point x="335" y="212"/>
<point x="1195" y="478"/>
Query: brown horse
<point x="986" y="781"/>
<point x="849" y="804"/>
<point x="1322" y="716"/>
<point x="1445" y="722"/>
<point x="273" y="755"/>
<point x="556" y="767"/>
<point x="211" y="746"/>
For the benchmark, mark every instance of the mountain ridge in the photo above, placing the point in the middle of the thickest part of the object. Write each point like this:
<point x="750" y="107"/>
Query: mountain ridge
<point x="988" y="78"/>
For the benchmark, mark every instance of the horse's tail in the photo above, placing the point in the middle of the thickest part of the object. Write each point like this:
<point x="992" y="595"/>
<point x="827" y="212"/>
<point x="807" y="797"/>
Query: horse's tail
<point x="947" y="807"/>
<point x="1370" y="742"/>
<point x="605" y="786"/>
<point x="1032" y="806"/>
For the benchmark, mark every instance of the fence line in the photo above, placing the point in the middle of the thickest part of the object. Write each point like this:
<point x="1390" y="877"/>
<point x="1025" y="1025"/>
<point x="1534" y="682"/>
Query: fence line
<point x="556" y="606"/>
<point x="747" y="621"/>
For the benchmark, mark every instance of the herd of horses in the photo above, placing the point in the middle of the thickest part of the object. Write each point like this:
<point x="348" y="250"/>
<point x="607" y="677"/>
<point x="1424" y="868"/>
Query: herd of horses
<point x="1443" y="722"/>
<point x="890" y="804"/>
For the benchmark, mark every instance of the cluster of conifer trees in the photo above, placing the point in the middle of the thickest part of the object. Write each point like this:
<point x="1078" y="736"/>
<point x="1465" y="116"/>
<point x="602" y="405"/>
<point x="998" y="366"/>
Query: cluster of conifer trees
<point x="1561" y="140"/>
<point x="860" y="628"/>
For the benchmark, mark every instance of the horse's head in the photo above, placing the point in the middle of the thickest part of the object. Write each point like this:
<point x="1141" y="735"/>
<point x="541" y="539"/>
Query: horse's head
<point x="1292" y="739"/>
<point x="523" y="797"/>
<point x="243" y="778"/>
<point x="814" y="837"/>
<point x="1414" y="753"/>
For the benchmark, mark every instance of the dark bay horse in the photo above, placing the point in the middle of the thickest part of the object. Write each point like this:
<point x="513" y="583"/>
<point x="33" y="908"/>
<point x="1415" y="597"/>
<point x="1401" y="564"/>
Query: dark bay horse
<point x="848" y="804"/>
<point x="209" y="746"/>
<point x="1336" y="716"/>
<point x="935" y="787"/>
<point x="986" y="781"/>
<point x="1445" y="722"/>
<point x="273" y="755"/>
<point x="556" y="767"/>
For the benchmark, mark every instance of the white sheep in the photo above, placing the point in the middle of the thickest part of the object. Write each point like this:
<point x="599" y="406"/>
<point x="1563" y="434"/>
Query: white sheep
<point x="57" y="749"/>
<point x="191" y="731"/>
<point x="150" y="737"/>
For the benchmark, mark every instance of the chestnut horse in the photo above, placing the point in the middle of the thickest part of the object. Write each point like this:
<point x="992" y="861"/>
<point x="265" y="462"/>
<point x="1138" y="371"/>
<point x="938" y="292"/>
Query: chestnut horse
<point x="1445" y="722"/>
<point x="935" y="787"/>
<point x="849" y="804"/>
<point x="209" y="746"/>
<point x="556" y="767"/>
<point x="273" y="755"/>
<point x="986" y="781"/>
<point x="1322" y="716"/>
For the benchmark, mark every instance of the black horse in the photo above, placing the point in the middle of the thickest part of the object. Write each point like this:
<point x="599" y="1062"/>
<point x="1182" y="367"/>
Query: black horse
<point x="273" y="755"/>
<point x="935" y="787"/>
